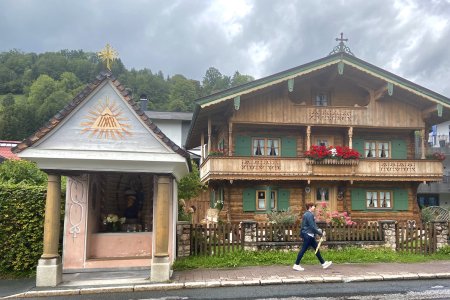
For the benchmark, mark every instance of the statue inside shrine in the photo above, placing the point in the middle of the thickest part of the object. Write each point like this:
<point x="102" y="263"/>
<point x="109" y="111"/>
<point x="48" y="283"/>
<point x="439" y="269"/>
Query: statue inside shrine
<point x="132" y="213"/>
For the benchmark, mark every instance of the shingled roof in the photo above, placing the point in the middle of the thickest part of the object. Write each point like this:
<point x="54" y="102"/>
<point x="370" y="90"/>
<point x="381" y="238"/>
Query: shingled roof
<point x="62" y="114"/>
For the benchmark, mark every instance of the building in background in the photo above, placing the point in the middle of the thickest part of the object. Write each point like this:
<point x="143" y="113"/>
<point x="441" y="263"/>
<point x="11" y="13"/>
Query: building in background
<point x="175" y="125"/>
<point x="5" y="150"/>
<point x="437" y="193"/>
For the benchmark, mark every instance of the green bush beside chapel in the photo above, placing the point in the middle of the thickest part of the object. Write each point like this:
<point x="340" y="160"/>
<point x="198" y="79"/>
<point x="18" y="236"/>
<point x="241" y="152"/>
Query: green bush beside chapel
<point x="23" y="191"/>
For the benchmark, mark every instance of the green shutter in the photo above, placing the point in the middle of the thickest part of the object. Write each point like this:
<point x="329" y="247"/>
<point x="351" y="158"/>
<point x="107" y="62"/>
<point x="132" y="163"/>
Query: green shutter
<point x="358" y="145"/>
<point x="288" y="146"/>
<point x="283" y="199"/>
<point x="358" y="199"/>
<point x="212" y="196"/>
<point x="400" y="199"/>
<point x="398" y="149"/>
<point x="249" y="200"/>
<point x="243" y="146"/>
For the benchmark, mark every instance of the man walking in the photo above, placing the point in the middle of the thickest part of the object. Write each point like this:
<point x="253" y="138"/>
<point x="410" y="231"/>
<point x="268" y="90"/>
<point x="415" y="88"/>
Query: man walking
<point x="308" y="231"/>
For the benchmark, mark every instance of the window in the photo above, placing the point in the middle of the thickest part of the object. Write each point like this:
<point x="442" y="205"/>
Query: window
<point x="322" y="194"/>
<point x="323" y="140"/>
<point x="379" y="199"/>
<point x="273" y="200"/>
<point x="262" y="201"/>
<point x="321" y="99"/>
<point x="377" y="149"/>
<point x="221" y="145"/>
<point x="216" y="200"/>
<point x="428" y="200"/>
<point x="266" y="147"/>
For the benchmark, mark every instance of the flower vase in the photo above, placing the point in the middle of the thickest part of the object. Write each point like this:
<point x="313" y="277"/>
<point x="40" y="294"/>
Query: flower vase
<point x="113" y="227"/>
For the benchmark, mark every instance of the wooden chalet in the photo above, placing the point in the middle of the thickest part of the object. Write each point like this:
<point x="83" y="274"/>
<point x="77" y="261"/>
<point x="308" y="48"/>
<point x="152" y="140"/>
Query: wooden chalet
<point x="254" y="138"/>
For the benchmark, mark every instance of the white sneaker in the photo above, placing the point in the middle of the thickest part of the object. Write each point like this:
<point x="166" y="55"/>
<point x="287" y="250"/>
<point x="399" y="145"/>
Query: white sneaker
<point x="326" y="264"/>
<point x="298" y="268"/>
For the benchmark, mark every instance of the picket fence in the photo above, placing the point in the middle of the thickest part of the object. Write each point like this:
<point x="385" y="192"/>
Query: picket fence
<point x="218" y="239"/>
<point x="416" y="238"/>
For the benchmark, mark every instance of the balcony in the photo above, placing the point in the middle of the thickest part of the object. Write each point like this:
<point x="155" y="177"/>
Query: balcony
<point x="251" y="168"/>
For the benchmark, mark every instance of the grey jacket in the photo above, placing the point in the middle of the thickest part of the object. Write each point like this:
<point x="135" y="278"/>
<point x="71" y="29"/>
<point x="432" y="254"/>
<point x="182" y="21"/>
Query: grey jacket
<point x="309" y="225"/>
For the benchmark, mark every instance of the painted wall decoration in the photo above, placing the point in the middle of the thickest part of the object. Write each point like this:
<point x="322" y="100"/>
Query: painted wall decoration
<point x="106" y="120"/>
<point x="104" y="123"/>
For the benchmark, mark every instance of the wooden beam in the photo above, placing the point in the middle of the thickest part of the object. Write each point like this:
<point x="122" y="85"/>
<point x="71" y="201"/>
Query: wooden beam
<point x="230" y="139"/>
<point x="378" y="94"/>
<point x="209" y="135"/>
<point x="429" y="110"/>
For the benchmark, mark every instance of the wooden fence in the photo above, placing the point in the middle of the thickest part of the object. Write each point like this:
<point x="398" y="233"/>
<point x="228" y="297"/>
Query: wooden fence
<point x="217" y="239"/>
<point x="416" y="238"/>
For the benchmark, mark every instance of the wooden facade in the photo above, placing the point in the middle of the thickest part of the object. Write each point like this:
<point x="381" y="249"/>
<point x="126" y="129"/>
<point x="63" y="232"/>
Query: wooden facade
<point x="254" y="139"/>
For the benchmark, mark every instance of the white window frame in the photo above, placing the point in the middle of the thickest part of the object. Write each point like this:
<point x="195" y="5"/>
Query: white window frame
<point x="377" y="148"/>
<point x="376" y="199"/>
<point x="264" y="146"/>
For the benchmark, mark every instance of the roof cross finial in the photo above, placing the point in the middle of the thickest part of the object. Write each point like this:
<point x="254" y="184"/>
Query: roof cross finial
<point x="341" y="48"/>
<point x="108" y="55"/>
<point x="341" y="40"/>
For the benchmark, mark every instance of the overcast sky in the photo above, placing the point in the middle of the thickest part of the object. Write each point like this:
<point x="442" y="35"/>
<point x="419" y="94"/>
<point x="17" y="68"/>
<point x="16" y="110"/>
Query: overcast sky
<point x="410" y="38"/>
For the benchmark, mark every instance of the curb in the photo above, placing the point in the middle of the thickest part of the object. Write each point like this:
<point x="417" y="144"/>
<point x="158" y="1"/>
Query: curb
<point x="226" y="283"/>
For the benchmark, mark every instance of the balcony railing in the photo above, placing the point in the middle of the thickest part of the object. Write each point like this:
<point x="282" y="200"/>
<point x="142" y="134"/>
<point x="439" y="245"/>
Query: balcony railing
<point x="247" y="168"/>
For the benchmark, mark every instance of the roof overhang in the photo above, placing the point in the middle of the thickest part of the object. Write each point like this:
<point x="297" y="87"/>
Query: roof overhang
<point x="90" y="161"/>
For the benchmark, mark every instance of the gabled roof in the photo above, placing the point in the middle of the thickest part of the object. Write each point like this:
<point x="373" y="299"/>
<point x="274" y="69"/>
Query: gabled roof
<point x="62" y="114"/>
<point x="325" y="62"/>
<point x="321" y="64"/>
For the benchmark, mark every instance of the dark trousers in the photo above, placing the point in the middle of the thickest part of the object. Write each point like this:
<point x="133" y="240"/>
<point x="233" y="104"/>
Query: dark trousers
<point x="307" y="242"/>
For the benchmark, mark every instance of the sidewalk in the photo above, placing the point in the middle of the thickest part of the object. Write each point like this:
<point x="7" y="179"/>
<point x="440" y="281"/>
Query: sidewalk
<point x="129" y="281"/>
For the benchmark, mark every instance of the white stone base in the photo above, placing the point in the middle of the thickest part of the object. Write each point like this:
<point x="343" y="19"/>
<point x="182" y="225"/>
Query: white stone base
<point x="160" y="269"/>
<point x="49" y="272"/>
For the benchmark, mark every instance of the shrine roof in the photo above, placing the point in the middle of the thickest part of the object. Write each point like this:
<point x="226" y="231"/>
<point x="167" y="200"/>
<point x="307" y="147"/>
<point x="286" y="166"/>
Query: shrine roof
<point x="62" y="114"/>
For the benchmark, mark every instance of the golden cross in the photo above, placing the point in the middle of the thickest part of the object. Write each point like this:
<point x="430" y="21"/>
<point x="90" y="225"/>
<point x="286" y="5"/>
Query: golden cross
<point x="108" y="54"/>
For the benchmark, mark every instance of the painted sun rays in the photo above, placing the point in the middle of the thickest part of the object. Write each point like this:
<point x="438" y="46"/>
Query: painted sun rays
<point x="106" y="120"/>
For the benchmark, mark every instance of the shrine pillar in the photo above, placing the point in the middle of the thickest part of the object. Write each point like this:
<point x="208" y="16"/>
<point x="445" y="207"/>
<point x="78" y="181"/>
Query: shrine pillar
<point x="49" y="269"/>
<point x="160" y="267"/>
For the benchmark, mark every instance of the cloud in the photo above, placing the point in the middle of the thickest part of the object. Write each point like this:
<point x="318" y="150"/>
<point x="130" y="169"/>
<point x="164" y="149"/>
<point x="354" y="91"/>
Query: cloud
<point x="259" y="38"/>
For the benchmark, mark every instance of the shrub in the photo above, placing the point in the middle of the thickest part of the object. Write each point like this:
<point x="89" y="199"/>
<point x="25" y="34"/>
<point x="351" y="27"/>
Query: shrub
<point x="21" y="171"/>
<point x="436" y="155"/>
<point x="335" y="218"/>
<point x="22" y="210"/>
<point x="286" y="217"/>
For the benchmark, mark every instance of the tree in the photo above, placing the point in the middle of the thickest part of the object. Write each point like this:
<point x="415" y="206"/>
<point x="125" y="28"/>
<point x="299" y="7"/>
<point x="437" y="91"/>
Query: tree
<point x="43" y="87"/>
<point x="239" y="79"/>
<point x="52" y="64"/>
<point x="68" y="82"/>
<point x="8" y="100"/>
<point x="182" y="94"/>
<point x="190" y="185"/>
<point x="214" y="81"/>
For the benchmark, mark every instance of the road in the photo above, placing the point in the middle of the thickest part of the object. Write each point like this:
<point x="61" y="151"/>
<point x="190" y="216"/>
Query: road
<point x="379" y="290"/>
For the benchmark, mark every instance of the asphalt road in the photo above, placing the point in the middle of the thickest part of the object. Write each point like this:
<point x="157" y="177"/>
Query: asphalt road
<point x="392" y="290"/>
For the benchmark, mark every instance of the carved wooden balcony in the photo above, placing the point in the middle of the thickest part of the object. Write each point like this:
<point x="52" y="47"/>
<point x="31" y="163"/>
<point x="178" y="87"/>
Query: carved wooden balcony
<point x="252" y="168"/>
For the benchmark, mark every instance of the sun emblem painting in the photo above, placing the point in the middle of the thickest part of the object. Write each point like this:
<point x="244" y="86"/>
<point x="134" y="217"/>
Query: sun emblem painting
<point x="106" y="121"/>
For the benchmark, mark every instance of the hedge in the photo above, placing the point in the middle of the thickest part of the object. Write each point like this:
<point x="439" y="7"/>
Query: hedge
<point x="22" y="210"/>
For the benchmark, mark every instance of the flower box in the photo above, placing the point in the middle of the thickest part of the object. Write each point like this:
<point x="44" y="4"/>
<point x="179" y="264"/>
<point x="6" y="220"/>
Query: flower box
<point x="332" y="155"/>
<point x="333" y="161"/>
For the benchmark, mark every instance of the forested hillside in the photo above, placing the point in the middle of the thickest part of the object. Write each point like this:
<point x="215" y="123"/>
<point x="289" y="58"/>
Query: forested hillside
<point x="33" y="87"/>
